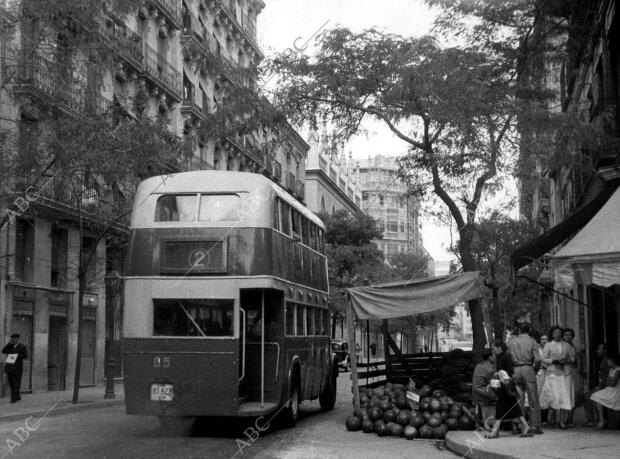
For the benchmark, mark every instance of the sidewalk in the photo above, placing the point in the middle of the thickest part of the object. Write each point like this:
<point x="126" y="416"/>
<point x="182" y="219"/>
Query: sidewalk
<point x="576" y="443"/>
<point x="58" y="402"/>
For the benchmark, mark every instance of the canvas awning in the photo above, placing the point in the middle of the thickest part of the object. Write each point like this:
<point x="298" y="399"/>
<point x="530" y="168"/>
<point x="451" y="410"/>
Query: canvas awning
<point x="401" y="299"/>
<point x="540" y="245"/>
<point x="593" y="255"/>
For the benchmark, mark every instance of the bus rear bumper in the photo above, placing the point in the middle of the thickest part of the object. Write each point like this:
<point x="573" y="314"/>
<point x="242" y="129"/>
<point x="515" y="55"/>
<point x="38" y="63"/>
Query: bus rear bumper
<point x="251" y="409"/>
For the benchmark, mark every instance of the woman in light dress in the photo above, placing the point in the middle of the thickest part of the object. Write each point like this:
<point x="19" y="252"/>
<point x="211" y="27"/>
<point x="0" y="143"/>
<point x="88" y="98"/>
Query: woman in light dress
<point x="609" y="397"/>
<point x="540" y="374"/>
<point x="571" y="373"/>
<point x="554" y="394"/>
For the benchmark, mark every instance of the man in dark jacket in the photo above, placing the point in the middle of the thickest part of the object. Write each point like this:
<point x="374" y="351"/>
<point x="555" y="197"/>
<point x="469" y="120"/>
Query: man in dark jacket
<point x="13" y="365"/>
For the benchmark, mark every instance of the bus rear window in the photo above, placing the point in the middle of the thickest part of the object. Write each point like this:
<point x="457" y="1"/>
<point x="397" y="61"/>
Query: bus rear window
<point x="176" y="208"/>
<point x="219" y="208"/>
<point x="206" y="317"/>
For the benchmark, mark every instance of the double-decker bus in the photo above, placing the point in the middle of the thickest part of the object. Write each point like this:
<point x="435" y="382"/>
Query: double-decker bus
<point x="226" y="300"/>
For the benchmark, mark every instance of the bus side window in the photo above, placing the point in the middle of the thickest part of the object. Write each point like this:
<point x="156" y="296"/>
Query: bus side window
<point x="310" y="320"/>
<point x="276" y="214"/>
<point x="290" y="319"/>
<point x="317" y="321"/>
<point x="321" y="241"/>
<point x="313" y="229"/>
<point x="296" y="224"/>
<point x="285" y="216"/>
<point x="305" y="232"/>
<point x="300" y="320"/>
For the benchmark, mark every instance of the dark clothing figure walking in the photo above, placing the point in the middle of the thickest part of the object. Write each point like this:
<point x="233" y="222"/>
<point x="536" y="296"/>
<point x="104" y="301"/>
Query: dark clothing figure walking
<point x="13" y="366"/>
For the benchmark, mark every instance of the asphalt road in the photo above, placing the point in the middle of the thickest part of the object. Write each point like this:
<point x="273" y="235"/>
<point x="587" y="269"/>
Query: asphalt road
<point x="110" y="433"/>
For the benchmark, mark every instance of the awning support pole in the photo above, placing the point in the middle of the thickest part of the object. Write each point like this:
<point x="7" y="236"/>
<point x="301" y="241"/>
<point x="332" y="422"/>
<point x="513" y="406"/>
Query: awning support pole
<point x="352" y="356"/>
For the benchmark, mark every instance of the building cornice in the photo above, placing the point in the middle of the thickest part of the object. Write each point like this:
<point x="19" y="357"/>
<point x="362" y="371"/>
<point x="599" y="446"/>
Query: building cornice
<point x="321" y="176"/>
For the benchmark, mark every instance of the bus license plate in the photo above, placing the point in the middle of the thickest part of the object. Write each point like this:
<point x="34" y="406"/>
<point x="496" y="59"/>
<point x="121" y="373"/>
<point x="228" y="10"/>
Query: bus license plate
<point x="162" y="392"/>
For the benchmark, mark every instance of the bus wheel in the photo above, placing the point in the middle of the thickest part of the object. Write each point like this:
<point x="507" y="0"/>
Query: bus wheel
<point x="327" y="398"/>
<point x="291" y="413"/>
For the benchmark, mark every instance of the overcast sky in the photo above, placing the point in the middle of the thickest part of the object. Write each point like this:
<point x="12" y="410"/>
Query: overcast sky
<point x="283" y="21"/>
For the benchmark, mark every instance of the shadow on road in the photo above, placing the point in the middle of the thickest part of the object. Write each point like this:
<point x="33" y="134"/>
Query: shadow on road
<point x="235" y="427"/>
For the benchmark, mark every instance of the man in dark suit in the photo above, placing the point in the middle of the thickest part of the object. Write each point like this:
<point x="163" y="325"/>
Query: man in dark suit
<point x="13" y="366"/>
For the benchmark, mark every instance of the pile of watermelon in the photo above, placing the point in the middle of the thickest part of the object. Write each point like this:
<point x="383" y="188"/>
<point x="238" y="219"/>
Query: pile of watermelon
<point x="386" y="411"/>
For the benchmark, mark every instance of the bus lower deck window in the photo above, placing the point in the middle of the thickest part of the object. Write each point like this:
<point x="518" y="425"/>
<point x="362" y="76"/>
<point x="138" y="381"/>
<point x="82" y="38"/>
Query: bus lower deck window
<point x="206" y="317"/>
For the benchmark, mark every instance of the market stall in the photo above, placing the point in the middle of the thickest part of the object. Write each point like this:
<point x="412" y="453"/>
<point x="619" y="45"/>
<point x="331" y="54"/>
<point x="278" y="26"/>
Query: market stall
<point x="401" y="299"/>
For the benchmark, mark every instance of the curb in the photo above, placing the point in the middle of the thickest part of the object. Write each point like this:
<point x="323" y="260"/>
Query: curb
<point x="61" y="410"/>
<point x="474" y="453"/>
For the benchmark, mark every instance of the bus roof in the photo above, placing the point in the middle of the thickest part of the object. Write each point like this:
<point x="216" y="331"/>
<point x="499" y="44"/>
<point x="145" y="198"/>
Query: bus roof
<point x="217" y="181"/>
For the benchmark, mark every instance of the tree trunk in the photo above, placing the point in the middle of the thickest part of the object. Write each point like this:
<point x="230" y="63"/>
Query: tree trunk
<point x="475" y="305"/>
<point x="497" y="318"/>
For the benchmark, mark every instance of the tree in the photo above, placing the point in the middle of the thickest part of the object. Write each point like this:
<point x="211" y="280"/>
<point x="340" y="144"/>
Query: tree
<point x="352" y="258"/>
<point x="496" y="238"/>
<point x="455" y="108"/>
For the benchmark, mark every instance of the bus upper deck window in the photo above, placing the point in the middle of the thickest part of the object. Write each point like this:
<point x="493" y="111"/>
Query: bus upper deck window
<point x="219" y="208"/>
<point x="176" y="208"/>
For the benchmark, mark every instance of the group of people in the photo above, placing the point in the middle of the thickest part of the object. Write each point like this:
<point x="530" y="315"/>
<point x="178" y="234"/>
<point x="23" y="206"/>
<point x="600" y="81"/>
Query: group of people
<point x="506" y="372"/>
<point x="544" y="377"/>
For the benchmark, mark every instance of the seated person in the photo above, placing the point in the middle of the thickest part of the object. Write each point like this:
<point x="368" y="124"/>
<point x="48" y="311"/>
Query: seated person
<point x="482" y="395"/>
<point x="609" y="397"/>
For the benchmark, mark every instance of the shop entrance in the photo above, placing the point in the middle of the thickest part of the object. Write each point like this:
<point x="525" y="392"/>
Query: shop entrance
<point x="57" y="354"/>
<point x="22" y="324"/>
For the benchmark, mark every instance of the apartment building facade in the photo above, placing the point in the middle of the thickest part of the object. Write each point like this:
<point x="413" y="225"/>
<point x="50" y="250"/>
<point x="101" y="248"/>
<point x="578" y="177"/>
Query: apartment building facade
<point x="159" y="65"/>
<point x="577" y="258"/>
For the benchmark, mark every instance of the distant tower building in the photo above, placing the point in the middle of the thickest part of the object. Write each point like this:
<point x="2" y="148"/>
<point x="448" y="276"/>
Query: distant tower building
<point x="386" y="197"/>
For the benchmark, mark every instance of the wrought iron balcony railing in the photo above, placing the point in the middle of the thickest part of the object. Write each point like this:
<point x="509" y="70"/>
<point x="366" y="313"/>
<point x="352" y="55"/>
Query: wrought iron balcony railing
<point x="248" y="31"/>
<point x="125" y="42"/>
<point x="40" y="78"/>
<point x="171" y="9"/>
<point x="162" y="73"/>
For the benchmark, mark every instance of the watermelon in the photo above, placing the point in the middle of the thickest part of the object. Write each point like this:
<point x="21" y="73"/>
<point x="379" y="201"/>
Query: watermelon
<point x="403" y="418"/>
<point x="410" y="432"/>
<point x="425" y="432"/>
<point x="353" y="423"/>
<point x="417" y="421"/>
<point x="396" y="430"/>
<point x="380" y="428"/>
<point x="368" y="426"/>
<point x="389" y="416"/>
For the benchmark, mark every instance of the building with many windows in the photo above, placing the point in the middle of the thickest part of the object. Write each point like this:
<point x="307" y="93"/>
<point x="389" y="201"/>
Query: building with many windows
<point x="168" y="60"/>
<point x="386" y="197"/>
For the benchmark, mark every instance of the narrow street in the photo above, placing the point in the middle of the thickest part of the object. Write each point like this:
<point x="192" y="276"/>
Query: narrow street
<point x="110" y="433"/>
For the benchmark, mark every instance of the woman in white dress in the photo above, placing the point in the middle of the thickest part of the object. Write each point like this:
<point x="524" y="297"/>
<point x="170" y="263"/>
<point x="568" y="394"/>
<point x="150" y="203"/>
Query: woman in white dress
<point x="609" y="397"/>
<point x="540" y="374"/>
<point x="571" y="373"/>
<point x="554" y="394"/>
